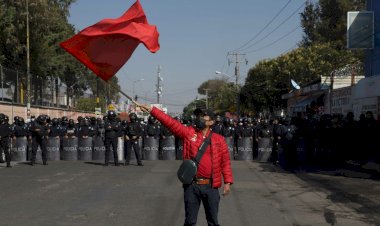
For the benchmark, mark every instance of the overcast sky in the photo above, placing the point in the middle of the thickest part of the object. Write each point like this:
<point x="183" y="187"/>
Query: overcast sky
<point x="195" y="37"/>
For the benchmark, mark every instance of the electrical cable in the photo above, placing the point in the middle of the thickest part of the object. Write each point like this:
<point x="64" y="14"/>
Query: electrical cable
<point x="269" y="23"/>
<point x="272" y="43"/>
<point x="275" y="29"/>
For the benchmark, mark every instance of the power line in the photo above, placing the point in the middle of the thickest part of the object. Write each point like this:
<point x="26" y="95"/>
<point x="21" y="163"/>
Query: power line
<point x="269" y="23"/>
<point x="277" y="40"/>
<point x="275" y="29"/>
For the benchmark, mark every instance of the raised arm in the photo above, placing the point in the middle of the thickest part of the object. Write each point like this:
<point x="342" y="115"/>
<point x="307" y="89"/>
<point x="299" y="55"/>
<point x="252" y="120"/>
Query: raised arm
<point x="173" y="125"/>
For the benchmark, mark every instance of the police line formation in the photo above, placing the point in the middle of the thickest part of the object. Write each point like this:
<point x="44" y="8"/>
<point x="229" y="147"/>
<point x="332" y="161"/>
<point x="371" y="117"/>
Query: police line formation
<point x="291" y="142"/>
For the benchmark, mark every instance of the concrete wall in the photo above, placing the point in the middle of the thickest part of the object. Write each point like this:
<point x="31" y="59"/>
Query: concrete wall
<point x="20" y="110"/>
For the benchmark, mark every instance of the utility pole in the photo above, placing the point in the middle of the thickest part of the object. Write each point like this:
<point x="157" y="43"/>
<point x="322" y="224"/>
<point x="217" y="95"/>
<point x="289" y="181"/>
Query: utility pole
<point x="237" y="59"/>
<point x="206" y="97"/>
<point x="159" y="86"/>
<point x="27" y="61"/>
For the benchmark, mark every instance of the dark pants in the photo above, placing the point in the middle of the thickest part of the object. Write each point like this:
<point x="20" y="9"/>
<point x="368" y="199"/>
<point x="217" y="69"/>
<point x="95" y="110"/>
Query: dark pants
<point x="4" y="147"/>
<point x="108" y="143"/>
<point x="37" y="141"/>
<point x="193" y="196"/>
<point x="136" y="147"/>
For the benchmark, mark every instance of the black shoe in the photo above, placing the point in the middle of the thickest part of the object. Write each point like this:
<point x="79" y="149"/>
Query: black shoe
<point x="32" y="163"/>
<point x="116" y="164"/>
<point x="140" y="164"/>
<point x="9" y="166"/>
<point x="45" y="163"/>
<point x="127" y="163"/>
<point x="106" y="164"/>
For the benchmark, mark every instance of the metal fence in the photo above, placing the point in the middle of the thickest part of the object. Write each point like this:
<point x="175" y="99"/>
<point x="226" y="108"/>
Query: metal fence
<point x="44" y="90"/>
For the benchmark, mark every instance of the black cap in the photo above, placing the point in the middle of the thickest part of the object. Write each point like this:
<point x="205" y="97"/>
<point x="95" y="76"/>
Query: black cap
<point x="203" y="112"/>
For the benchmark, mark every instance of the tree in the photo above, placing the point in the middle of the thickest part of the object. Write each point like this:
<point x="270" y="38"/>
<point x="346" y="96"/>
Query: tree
<point x="270" y="78"/>
<point x="48" y="26"/>
<point x="325" y="21"/>
<point x="221" y="96"/>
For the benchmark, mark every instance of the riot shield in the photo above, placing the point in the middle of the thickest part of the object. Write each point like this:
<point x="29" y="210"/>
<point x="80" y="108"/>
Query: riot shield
<point x="85" y="149"/>
<point x="151" y="148"/>
<point x="120" y="149"/>
<point x="245" y="145"/>
<point x="168" y="148"/>
<point x="230" y="145"/>
<point x="264" y="149"/>
<point x="69" y="149"/>
<point x="19" y="149"/>
<point x="99" y="149"/>
<point x="179" y="148"/>
<point x="53" y="147"/>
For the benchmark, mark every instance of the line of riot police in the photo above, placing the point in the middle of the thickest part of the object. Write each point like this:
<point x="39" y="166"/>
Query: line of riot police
<point x="44" y="139"/>
<point x="303" y="141"/>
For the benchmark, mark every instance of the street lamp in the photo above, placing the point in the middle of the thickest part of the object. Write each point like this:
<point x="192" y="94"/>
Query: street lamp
<point x="133" y="85"/>
<point x="237" y="89"/>
<point x="221" y="73"/>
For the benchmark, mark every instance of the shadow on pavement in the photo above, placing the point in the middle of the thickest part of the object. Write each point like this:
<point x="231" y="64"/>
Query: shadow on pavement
<point x="353" y="194"/>
<point x="95" y="163"/>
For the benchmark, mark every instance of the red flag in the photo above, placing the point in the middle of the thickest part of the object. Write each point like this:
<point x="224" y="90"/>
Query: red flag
<point x="105" y="46"/>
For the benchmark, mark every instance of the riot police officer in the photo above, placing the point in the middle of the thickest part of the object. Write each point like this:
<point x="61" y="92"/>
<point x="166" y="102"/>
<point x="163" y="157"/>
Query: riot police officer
<point x="227" y="129"/>
<point x="40" y="132"/>
<point x="244" y="130"/>
<point x="132" y="134"/>
<point x="112" y="128"/>
<point x="70" y="130"/>
<point x="5" y="134"/>
<point x="20" y="129"/>
<point x="55" y="129"/>
<point x="152" y="129"/>
<point x="85" y="130"/>
<point x="217" y="127"/>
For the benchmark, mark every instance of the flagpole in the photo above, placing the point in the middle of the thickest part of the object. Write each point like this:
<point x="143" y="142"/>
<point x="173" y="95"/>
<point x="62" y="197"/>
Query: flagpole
<point x="127" y="96"/>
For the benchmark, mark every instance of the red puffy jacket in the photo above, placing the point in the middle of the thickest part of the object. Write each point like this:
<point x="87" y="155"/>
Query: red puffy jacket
<point x="221" y="164"/>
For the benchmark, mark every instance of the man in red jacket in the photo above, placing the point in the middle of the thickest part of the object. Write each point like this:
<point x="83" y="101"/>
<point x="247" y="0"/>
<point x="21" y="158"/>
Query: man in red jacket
<point x="214" y="164"/>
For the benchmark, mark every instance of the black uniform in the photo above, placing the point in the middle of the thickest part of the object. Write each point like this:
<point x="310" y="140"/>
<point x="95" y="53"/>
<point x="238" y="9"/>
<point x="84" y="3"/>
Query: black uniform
<point x="40" y="132"/>
<point x="5" y="134"/>
<point x="217" y="127"/>
<point x="112" y="127"/>
<point x="86" y="130"/>
<point x="152" y="129"/>
<point x="132" y="134"/>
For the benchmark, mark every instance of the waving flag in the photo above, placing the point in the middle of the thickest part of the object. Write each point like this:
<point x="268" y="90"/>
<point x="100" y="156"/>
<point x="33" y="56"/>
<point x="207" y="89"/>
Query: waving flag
<point x="107" y="45"/>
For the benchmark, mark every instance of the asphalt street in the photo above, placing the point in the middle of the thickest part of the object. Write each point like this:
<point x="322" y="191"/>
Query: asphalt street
<point x="88" y="193"/>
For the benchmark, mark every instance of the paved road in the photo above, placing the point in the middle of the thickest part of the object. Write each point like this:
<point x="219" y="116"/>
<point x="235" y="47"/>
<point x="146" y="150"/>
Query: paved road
<point x="78" y="193"/>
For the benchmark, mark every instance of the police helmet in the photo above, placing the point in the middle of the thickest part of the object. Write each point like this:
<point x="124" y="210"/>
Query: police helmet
<point x="151" y="119"/>
<point x="2" y="117"/>
<point x="133" y="117"/>
<point x="111" y="114"/>
<point x="54" y="122"/>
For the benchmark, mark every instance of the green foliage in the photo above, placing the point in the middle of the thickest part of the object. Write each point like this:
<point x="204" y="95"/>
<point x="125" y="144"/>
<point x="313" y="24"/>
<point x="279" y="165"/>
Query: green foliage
<point x="326" y="21"/>
<point x="222" y="96"/>
<point x="321" y="51"/>
<point x="89" y="104"/>
<point x="48" y="26"/>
